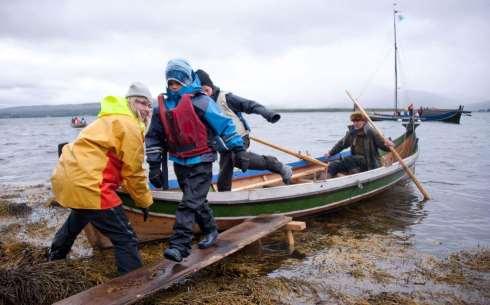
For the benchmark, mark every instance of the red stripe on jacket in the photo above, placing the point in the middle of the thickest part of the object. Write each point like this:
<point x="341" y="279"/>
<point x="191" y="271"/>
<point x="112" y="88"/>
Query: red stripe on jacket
<point x="111" y="179"/>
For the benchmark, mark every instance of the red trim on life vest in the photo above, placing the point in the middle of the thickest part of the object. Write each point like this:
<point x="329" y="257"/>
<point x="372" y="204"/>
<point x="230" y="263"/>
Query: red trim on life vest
<point x="166" y="126"/>
<point x="111" y="179"/>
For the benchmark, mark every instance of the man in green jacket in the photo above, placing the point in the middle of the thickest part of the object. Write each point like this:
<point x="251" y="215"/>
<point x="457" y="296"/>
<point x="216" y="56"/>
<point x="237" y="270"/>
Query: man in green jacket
<point x="363" y="142"/>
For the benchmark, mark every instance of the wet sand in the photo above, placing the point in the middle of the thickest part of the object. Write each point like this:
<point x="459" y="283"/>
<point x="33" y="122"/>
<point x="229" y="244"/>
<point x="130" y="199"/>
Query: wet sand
<point x="357" y="255"/>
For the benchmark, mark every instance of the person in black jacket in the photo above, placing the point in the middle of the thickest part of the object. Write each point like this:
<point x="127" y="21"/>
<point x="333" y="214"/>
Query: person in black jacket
<point x="233" y="106"/>
<point x="363" y="142"/>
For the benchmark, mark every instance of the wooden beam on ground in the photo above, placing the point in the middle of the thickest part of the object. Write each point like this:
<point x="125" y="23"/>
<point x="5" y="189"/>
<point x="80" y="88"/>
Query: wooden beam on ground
<point x="296" y="226"/>
<point x="136" y="285"/>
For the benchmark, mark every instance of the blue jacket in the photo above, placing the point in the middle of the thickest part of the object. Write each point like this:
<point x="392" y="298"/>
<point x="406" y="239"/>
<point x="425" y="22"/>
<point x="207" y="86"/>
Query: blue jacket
<point x="218" y="125"/>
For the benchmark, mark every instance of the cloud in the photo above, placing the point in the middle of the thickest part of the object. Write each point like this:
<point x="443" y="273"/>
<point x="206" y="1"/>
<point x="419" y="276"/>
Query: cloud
<point x="280" y="53"/>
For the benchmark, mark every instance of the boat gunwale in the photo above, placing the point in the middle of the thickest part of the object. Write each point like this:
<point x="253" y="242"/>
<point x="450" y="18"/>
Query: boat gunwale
<point x="292" y="191"/>
<point x="296" y="213"/>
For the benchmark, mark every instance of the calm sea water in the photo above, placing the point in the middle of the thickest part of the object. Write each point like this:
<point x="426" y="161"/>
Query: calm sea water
<point x="454" y="166"/>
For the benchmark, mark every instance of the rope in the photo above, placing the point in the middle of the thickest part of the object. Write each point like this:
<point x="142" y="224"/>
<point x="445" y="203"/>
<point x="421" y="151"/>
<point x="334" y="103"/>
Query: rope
<point x="378" y="67"/>
<point x="371" y="78"/>
<point x="404" y="78"/>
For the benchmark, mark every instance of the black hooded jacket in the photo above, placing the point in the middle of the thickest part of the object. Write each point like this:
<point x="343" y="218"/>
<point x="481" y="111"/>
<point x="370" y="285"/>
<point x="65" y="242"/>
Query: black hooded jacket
<point x="364" y="142"/>
<point x="239" y="104"/>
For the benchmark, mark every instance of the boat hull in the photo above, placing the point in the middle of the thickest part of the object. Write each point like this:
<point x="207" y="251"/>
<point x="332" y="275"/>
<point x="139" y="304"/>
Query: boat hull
<point x="448" y="116"/>
<point x="298" y="200"/>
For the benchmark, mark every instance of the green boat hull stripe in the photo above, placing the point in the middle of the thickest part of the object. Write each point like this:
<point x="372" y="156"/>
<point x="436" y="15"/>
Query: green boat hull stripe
<point x="283" y="206"/>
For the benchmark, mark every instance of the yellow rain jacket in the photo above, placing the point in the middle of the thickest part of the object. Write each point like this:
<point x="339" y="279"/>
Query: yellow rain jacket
<point x="108" y="153"/>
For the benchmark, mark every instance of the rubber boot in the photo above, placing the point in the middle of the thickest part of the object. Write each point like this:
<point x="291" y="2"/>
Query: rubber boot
<point x="173" y="255"/>
<point x="208" y="240"/>
<point x="282" y="169"/>
<point x="286" y="174"/>
<point x="54" y="255"/>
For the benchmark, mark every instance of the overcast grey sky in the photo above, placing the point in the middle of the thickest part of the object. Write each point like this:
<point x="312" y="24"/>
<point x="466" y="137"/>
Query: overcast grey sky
<point x="281" y="53"/>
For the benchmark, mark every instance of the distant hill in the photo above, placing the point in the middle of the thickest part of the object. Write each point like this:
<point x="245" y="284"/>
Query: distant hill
<point x="93" y="109"/>
<point x="336" y="109"/>
<point x="478" y="106"/>
<point x="50" y="110"/>
<point x="418" y="98"/>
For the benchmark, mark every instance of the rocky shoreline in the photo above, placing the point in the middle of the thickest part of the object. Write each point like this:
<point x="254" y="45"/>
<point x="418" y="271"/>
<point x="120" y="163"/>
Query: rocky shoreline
<point x="342" y="258"/>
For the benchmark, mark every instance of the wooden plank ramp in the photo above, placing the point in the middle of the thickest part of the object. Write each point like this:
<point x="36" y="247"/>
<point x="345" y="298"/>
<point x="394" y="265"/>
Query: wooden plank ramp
<point x="140" y="283"/>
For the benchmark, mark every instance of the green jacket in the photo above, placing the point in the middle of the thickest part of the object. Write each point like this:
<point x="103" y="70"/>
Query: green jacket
<point x="364" y="142"/>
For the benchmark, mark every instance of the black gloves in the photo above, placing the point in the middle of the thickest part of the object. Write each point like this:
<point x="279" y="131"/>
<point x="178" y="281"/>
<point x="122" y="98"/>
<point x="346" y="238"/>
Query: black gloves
<point x="60" y="148"/>
<point x="145" y="213"/>
<point x="155" y="176"/>
<point x="273" y="117"/>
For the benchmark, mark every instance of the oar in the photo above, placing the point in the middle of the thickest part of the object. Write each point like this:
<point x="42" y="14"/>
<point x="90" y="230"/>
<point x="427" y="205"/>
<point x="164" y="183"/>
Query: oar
<point x="288" y="151"/>
<point x="393" y="150"/>
<point x="275" y="178"/>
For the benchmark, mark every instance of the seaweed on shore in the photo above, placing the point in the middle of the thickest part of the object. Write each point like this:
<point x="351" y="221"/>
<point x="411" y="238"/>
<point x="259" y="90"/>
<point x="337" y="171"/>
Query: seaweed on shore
<point x="14" y="209"/>
<point x="44" y="283"/>
<point x="27" y="278"/>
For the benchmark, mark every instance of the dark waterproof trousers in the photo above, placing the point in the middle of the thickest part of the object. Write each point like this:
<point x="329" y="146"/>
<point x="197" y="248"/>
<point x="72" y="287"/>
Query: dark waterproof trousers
<point x="347" y="165"/>
<point x="194" y="181"/>
<point x="243" y="160"/>
<point x="113" y="223"/>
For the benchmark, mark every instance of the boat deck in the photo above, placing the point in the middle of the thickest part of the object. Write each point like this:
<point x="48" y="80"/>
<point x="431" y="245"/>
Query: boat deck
<point x="136" y="285"/>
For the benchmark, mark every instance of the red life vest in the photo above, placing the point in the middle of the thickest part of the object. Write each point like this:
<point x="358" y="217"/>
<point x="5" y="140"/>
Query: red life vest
<point x="186" y="134"/>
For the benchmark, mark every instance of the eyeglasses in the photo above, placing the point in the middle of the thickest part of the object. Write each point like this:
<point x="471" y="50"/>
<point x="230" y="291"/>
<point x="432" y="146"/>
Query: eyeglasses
<point x="143" y="102"/>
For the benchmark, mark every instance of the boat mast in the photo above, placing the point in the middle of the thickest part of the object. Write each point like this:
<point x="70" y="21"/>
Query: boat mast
<point x="396" y="53"/>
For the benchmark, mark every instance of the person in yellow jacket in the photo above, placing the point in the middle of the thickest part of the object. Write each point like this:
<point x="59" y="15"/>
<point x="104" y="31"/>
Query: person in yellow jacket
<point x="107" y="154"/>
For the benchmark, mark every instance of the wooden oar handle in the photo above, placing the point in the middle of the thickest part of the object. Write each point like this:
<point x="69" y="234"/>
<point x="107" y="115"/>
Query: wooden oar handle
<point x="395" y="153"/>
<point x="288" y="151"/>
<point x="276" y="179"/>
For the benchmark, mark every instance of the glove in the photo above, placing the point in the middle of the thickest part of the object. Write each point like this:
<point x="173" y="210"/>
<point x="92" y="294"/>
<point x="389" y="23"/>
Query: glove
<point x="274" y="117"/>
<point x="60" y="148"/>
<point x="155" y="176"/>
<point x="145" y="213"/>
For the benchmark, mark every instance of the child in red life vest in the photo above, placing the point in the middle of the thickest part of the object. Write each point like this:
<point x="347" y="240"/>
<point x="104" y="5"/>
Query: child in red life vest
<point x="186" y="123"/>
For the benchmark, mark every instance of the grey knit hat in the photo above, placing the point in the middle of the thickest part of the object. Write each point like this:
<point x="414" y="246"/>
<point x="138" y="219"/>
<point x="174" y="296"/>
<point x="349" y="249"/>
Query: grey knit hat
<point x="138" y="89"/>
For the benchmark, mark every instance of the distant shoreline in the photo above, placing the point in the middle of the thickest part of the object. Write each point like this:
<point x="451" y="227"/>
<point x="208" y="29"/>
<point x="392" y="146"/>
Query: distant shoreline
<point x="91" y="109"/>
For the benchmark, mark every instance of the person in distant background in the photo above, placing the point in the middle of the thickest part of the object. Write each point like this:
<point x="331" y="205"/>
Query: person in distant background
<point x="107" y="154"/>
<point x="233" y="106"/>
<point x="410" y="110"/>
<point x="363" y="142"/>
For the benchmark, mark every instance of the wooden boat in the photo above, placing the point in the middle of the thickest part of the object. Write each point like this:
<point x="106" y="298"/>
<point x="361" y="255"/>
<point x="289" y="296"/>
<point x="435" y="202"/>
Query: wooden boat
<point x="79" y="125"/>
<point x="77" y="122"/>
<point x="424" y="114"/>
<point x="427" y="114"/>
<point x="310" y="194"/>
